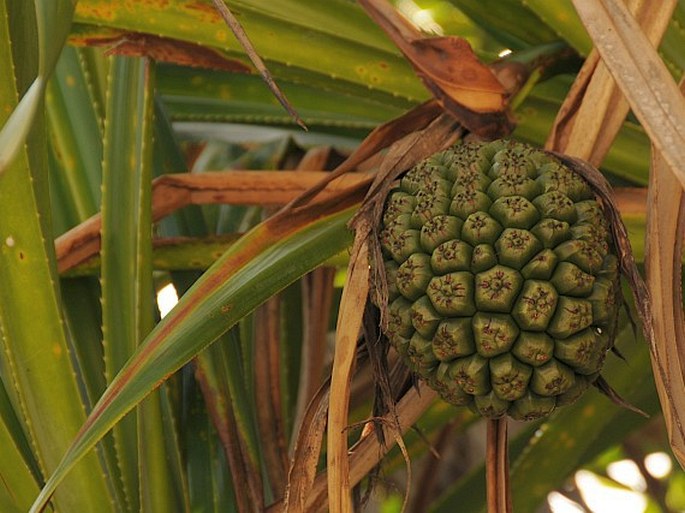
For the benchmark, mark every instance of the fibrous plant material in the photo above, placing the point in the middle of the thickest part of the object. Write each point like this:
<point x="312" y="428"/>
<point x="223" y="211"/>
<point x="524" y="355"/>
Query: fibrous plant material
<point x="502" y="278"/>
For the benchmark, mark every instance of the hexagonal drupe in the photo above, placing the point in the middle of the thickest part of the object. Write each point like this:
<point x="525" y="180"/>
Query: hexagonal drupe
<point x="497" y="289"/>
<point x="414" y="275"/>
<point x="454" y="339"/>
<point x="509" y="377"/>
<point x="452" y="294"/>
<point x="515" y="247"/>
<point x="494" y="333"/>
<point x="535" y="305"/>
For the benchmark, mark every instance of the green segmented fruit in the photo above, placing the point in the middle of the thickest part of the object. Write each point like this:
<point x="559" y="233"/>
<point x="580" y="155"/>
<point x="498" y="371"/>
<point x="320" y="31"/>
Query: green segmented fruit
<point x="502" y="282"/>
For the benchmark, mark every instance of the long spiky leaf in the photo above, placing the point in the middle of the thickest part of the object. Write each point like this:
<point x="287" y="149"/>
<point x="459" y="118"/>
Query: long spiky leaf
<point x="251" y="271"/>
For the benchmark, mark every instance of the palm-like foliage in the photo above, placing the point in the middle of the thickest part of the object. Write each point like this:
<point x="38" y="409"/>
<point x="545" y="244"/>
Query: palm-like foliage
<point x="145" y="89"/>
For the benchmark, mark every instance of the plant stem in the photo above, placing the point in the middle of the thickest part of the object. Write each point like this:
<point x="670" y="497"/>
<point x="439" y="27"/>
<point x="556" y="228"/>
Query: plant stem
<point x="497" y="467"/>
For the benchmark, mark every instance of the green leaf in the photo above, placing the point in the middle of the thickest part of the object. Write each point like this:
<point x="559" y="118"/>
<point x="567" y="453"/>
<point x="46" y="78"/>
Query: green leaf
<point x="261" y="263"/>
<point x="170" y="400"/>
<point x="210" y="486"/>
<point x="53" y="20"/>
<point x="16" y="128"/>
<point x="75" y="134"/>
<point x="35" y="353"/>
<point x="19" y="474"/>
<point x="561" y="17"/>
<point x="346" y="45"/>
<point x="122" y="192"/>
<point x="75" y="178"/>
<point x="508" y="21"/>
<point x="237" y="98"/>
<point x="126" y="273"/>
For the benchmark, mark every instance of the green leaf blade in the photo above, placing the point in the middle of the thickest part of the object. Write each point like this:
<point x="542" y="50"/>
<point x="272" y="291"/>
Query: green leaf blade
<point x="75" y="134"/>
<point x="290" y="45"/>
<point x="18" y="471"/>
<point x="128" y="293"/>
<point x="36" y="362"/>
<point x="251" y="271"/>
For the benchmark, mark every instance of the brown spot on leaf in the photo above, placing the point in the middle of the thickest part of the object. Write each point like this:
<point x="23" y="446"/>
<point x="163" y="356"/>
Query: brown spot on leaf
<point x="207" y="12"/>
<point x="173" y="51"/>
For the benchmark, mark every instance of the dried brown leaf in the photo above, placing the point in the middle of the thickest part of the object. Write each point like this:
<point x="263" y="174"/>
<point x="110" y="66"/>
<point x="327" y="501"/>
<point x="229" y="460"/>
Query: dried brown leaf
<point x="464" y="86"/>
<point x="641" y="75"/>
<point x="306" y="454"/>
<point x="368" y="451"/>
<point x="317" y="298"/>
<point x="452" y="65"/>
<point x="348" y="329"/>
<point x="663" y="265"/>
<point x="659" y="105"/>
<point x="594" y="109"/>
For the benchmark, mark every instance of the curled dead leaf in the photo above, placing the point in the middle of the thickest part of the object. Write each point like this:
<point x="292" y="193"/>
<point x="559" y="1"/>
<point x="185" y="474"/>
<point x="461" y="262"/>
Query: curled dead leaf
<point x="452" y="65"/>
<point x="464" y="86"/>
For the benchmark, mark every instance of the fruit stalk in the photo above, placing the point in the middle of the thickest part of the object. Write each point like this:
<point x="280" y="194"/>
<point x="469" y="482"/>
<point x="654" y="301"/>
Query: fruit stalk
<point x="497" y="467"/>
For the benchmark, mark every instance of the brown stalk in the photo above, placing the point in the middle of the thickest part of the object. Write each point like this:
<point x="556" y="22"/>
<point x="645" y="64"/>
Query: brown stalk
<point x="317" y="299"/>
<point x="316" y="158"/>
<point x="497" y="467"/>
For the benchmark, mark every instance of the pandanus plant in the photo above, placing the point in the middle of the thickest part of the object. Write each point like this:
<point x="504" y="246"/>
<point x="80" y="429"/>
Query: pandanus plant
<point x="478" y="273"/>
